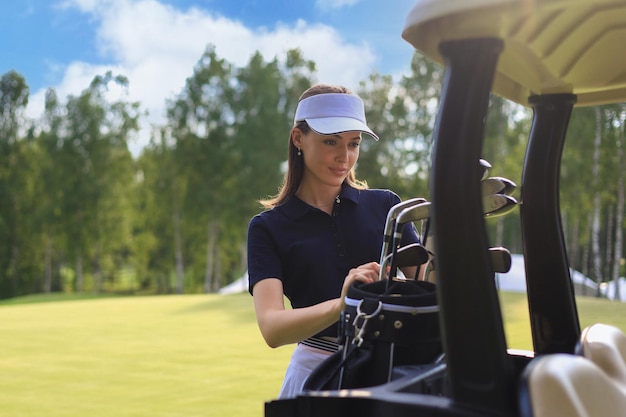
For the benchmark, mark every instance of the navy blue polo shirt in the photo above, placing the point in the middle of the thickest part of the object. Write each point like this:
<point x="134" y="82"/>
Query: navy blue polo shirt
<point x="311" y="252"/>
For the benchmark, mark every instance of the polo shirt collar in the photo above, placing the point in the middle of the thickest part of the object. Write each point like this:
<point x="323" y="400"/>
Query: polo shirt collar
<point x="295" y="208"/>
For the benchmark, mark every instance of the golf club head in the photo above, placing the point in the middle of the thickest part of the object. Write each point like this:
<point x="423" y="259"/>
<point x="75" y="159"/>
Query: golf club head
<point x="396" y="209"/>
<point x="500" y="259"/>
<point x="390" y="222"/>
<point x="495" y="205"/>
<point x="412" y="254"/>
<point x="413" y="214"/>
<point x="485" y="167"/>
<point x="429" y="271"/>
<point x="497" y="185"/>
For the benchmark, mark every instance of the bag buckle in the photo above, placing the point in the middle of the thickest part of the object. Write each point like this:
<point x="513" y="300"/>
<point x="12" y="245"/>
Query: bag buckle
<point x="360" y="322"/>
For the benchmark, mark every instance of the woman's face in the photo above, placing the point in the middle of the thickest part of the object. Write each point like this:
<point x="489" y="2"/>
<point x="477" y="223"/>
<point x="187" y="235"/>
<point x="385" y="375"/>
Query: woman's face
<point x="328" y="158"/>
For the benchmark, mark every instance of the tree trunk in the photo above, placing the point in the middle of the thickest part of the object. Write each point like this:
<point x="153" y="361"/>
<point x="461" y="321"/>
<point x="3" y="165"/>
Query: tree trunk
<point x="97" y="271"/>
<point x="596" y="258"/>
<point x="210" y="257"/>
<point x="47" y="278"/>
<point x="178" y="247"/>
<point x="499" y="232"/>
<point x="585" y="258"/>
<point x="619" y="213"/>
<point x="244" y="256"/>
<point x="218" y="267"/>
<point x="14" y="268"/>
<point x="607" y="263"/>
<point x="79" y="272"/>
<point x="574" y="243"/>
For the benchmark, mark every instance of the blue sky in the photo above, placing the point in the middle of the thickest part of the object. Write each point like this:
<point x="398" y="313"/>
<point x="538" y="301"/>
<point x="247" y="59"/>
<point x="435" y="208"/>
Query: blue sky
<point x="155" y="43"/>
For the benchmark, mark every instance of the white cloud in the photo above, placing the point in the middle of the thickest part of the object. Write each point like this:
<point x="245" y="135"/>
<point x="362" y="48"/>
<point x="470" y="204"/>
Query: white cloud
<point x="156" y="47"/>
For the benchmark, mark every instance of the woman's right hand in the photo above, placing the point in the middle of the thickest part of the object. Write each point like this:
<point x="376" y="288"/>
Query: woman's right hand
<point x="365" y="273"/>
<point x="280" y="326"/>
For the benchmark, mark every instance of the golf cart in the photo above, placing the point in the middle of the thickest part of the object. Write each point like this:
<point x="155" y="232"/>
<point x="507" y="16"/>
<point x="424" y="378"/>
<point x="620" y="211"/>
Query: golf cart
<point x="550" y="55"/>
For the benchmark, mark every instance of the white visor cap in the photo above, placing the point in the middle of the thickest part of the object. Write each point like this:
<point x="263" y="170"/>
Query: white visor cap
<point x="332" y="113"/>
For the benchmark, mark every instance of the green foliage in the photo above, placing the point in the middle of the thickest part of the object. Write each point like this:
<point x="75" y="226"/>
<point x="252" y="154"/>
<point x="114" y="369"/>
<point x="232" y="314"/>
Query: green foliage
<point x="91" y="171"/>
<point x="18" y="173"/>
<point x="220" y="152"/>
<point x="79" y="214"/>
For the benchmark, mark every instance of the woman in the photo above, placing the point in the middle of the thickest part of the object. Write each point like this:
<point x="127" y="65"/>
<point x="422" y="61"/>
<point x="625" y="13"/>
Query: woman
<point x="321" y="233"/>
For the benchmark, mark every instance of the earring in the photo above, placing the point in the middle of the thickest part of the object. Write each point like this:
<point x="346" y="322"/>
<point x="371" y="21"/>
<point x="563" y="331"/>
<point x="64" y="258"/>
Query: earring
<point x="299" y="152"/>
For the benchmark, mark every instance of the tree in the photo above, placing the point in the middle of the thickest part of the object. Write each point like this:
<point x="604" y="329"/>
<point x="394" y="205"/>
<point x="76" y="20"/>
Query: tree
<point x="15" y="184"/>
<point x="50" y="191"/>
<point x="615" y="116"/>
<point x="199" y="129"/>
<point x="221" y="150"/>
<point x="153" y="234"/>
<point x="421" y="91"/>
<point x="97" y="173"/>
<point x="592" y="190"/>
<point x="399" y="159"/>
<point x="506" y="134"/>
<point x="76" y="209"/>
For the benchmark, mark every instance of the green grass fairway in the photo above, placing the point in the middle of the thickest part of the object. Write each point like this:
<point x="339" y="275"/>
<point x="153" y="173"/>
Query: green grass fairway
<point x="187" y="356"/>
<point x="590" y="310"/>
<point x="165" y="356"/>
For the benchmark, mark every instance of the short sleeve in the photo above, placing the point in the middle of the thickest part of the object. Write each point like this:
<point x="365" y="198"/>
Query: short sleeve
<point x="263" y="259"/>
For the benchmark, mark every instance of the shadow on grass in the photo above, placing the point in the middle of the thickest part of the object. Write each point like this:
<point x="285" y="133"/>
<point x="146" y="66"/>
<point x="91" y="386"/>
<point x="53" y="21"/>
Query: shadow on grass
<point x="55" y="297"/>
<point x="239" y="306"/>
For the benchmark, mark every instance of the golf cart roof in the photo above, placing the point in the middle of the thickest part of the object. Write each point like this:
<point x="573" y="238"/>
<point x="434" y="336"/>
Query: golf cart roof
<point x="550" y="46"/>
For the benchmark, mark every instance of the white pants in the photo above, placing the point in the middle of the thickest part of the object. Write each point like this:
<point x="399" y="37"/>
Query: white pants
<point x="303" y="361"/>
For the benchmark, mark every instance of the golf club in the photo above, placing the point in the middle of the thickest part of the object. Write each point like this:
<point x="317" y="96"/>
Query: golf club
<point x="500" y="262"/>
<point x="410" y="214"/>
<point x="500" y="259"/>
<point x="485" y="166"/>
<point x="495" y="205"/>
<point x="497" y="185"/>
<point x="390" y="222"/>
<point x="412" y="254"/>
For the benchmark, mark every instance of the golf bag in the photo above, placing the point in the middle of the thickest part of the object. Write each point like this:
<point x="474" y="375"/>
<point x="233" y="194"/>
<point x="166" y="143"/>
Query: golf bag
<point x="382" y="326"/>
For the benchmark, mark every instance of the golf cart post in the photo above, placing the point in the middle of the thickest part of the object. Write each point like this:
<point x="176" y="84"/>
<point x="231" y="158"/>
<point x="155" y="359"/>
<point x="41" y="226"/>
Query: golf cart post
<point x="550" y="55"/>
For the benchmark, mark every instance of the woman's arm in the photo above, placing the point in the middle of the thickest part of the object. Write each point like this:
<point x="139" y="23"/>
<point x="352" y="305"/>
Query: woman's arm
<point x="280" y="326"/>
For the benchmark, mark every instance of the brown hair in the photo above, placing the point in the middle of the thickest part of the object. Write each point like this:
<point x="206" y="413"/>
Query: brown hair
<point x="295" y="163"/>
